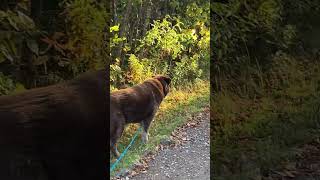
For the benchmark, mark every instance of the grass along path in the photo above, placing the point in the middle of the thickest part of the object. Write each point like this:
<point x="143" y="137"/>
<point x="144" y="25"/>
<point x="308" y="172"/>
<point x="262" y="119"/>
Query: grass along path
<point x="177" y="107"/>
<point x="268" y="137"/>
<point x="270" y="141"/>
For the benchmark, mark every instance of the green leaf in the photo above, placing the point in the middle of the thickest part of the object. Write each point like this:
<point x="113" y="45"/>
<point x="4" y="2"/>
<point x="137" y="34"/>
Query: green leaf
<point x="13" y="24"/>
<point x="114" y="28"/>
<point x="2" y="58"/>
<point x="33" y="46"/>
<point x="40" y="60"/>
<point x="3" y="14"/>
<point x="5" y="52"/>
<point x="27" y="21"/>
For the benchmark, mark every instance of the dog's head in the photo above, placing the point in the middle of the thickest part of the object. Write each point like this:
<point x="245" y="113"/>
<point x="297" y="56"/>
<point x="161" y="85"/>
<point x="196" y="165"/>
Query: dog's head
<point x="165" y="81"/>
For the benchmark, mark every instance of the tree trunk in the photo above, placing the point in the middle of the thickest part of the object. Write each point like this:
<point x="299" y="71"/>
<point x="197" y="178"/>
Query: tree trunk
<point x="107" y="34"/>
<point x="136" y="27"/>
<point x="114" y="11"/>
<point x="147" y="18"/>
<point x="123" y="30"/>
<point x="146" y="23"/>
<point x="36" y="6"/>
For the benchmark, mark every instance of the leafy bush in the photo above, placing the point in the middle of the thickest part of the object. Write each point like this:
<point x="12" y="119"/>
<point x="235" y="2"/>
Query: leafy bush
<point x="19" y="46"/>
<point x="116" y="75"/>
<point x="6" y="85"/>
<point x="177" y="50"/>
<point x="86" y="21"/>
<point x="140" y="70"/>
<point x="172" y="40"/>
<point x="186" y="71"/>
<point x="248" y="33"/>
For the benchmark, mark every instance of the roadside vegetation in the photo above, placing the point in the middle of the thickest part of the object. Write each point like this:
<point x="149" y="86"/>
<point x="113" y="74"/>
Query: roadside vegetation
<point x="43" y="44"/>
<point x="55" y="41"/>
<point x="265" y="87"/>
<point x="170" y="38"/>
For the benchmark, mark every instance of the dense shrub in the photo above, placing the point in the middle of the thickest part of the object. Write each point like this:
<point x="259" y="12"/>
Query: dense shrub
<point x="248" y="33"/>
<point x="186" y="71"/>
<point x="6" y="85"/>
<point x="139" y="69"/>
<point x="170" y="47"/>
<point x="86" y="21"/>
<point x="40" y="54"/>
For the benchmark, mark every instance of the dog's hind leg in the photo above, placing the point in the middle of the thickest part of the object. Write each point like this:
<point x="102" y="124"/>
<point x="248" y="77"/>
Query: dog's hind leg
<point x="113" y="141"/>
<point x="114" y="149"/>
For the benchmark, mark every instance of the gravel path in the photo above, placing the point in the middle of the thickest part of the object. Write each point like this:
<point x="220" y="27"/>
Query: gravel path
<point x="190" y="160"/>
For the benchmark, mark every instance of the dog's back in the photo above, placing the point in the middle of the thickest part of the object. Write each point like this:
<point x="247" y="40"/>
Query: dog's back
<point x="59" y="125"/>
<point x="138" y="101"/>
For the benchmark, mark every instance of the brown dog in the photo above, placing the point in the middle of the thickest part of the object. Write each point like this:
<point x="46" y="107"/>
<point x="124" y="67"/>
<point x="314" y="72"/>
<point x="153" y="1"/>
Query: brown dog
<point x="137" y="104"/>
<point x="60" y="128"/>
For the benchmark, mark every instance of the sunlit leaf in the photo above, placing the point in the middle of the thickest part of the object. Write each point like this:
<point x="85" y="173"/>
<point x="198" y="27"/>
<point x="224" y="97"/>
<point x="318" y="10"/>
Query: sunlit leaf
<point x="114" y="28"/>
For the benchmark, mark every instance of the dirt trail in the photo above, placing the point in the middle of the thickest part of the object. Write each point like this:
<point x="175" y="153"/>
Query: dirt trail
<point x="186" y="161"/>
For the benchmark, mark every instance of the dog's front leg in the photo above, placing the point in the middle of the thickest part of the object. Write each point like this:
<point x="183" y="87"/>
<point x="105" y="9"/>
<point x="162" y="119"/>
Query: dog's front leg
<point x="145" y="124"/>
<point x="144" y="136"/>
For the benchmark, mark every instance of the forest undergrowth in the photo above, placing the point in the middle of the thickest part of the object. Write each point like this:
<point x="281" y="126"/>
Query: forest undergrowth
<point x="262" y="133"/>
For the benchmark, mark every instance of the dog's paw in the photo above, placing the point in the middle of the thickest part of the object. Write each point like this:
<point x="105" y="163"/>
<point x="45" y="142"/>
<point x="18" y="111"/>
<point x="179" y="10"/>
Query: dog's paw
<point x="145" y="140"/>
<point x="115" y="152"/>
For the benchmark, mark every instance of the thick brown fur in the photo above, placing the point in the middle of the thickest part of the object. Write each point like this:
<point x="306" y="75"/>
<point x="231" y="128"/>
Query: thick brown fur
<point x="137" y="104"/>
<point x="61" y="129"/>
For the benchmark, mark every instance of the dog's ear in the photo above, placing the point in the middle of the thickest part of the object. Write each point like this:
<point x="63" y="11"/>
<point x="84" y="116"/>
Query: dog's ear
<point x="161" y="77"/>
<point x="167" y="79"/>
